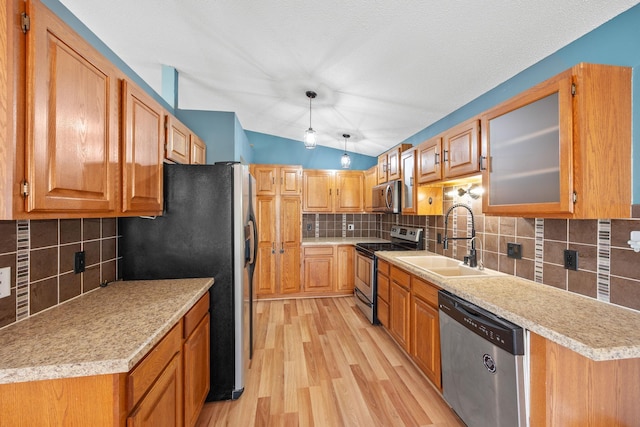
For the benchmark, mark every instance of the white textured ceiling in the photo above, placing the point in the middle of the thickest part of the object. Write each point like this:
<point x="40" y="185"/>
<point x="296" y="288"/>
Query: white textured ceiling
<point x="383" y="69"/>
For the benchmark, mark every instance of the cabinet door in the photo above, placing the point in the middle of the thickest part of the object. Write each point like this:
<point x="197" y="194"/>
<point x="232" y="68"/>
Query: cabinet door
<point x="318" y="269"/>
<point x="394" y="168"/>
<point x="71" y="120"/>
<point x="198" y="151"/>
<point x="425" y="339"/>
<point x="289" y="250"/>
<point x="266" y="257"/>
<point x="290" y="180"/>
<point x="529" y="148"/>
<point x="408" y="182"/>
<point x="265" y="180"/>
<point x="318" y="191"/>
<point x="382" y="168"/>
<point x="429" y="200"/>
<point x="196" y="371"/>
<point x="349" y="189"/>
<point x="143" y="136"/>
<point x="346" y="263"/>
<point x="429" y="161"/>
<point x="370" y="180"/>
<point x="383" y="299"/>
<point x="162" y="405"/>
<point x="399" y="306"/>
<point x="177" y="147"/>
<point x="461" y="150"/>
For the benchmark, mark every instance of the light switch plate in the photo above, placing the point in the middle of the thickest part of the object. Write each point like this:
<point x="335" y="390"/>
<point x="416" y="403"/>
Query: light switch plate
<point x="5" y="282"/>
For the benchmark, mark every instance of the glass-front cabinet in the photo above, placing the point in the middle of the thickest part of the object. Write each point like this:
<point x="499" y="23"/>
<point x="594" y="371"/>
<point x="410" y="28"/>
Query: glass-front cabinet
<point x="552" y="150"/>
<point x="408" y="198"/>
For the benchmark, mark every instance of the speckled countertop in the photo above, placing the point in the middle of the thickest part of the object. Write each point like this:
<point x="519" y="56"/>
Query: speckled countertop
<point x="310" y="241"/>
<point x="105" y="331"/>
<point x="597" y="330"/>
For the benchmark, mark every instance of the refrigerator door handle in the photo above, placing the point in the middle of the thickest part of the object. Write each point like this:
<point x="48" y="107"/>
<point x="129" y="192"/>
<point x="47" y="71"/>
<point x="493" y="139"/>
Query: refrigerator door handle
<point x="253" y="249"/>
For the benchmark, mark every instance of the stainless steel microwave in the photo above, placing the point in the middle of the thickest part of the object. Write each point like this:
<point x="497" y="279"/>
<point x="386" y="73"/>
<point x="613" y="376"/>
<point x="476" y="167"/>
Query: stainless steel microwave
<point x="386" y="197"/>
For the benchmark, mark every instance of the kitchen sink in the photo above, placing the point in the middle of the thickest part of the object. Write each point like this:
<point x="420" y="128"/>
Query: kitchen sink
<point x="446" y="267"/>
<point x="431" y="261"/>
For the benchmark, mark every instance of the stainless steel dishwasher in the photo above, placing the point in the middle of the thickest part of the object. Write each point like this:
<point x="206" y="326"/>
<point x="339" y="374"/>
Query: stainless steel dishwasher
<point x="482" y="364"/>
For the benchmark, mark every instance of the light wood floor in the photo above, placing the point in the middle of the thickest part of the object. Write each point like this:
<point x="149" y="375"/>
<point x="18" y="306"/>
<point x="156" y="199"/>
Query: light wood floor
<point x="319" y="363"/>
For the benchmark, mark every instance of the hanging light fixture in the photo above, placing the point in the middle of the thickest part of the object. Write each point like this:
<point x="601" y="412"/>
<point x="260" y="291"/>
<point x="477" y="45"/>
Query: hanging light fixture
<point x="310" y="134"/>
<point x="345" y="160"/>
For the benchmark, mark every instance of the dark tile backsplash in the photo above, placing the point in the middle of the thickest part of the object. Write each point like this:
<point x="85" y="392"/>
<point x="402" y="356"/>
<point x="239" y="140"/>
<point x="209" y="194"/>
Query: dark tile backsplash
<point x="41" y="253"/>
<point x="41" y="256"/>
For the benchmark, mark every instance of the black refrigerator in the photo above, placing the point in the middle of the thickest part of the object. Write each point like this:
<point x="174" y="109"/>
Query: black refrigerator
<point x="207" y="229"/>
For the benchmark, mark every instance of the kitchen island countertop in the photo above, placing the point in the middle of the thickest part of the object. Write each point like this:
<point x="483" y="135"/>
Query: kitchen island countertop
<point x="104" y="331"/>
<point x="594" y="329"/>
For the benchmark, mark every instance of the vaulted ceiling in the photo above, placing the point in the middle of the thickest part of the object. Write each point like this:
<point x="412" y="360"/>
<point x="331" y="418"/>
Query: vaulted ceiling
<point x="383" y="69"/>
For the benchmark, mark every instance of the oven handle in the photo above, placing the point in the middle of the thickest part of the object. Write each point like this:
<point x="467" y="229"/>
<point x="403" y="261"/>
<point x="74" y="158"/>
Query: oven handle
<point x="363" y="252"/>
<point x="362" y="297"/>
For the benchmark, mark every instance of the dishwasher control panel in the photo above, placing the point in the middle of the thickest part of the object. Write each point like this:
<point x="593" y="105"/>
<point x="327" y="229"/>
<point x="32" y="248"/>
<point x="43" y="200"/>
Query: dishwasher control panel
<point x="501" y="332"/>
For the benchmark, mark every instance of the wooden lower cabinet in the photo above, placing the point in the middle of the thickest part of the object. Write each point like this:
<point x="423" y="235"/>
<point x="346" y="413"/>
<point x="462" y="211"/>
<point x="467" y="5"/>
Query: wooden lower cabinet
<point x="425" y="329"/>
<point x="166" y="388"/>
<point x="345" y="262"/>
<point x="382" y="275"/>
<point x="318" y="269"/>
<point x="568" y="389"/>
<point x="399" y="306"/>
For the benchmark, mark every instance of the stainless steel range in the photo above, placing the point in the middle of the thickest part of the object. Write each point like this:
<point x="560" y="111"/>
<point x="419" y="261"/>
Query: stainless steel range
<point x="366" y="287"/>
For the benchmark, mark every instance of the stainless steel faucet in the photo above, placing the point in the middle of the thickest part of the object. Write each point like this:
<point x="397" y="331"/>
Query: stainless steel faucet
<point x="472" y="259"/>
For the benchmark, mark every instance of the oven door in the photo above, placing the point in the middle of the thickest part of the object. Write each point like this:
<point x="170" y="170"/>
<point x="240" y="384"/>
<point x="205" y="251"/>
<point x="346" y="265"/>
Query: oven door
<point x="364" y="290"/>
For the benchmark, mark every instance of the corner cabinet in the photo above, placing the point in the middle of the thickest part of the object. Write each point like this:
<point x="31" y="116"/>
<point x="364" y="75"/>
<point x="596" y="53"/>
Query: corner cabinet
<point x="562" y="148"/>
<point x="181" y="144"/>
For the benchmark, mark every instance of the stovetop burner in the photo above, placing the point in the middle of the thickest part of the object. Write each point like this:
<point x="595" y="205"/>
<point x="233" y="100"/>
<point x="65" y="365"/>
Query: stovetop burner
<point x="403" y="239"/>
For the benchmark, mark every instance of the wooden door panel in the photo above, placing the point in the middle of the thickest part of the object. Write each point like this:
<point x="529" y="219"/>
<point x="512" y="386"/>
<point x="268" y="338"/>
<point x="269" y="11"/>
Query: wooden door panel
<point x="349" y="189"/>
<point x="425" y="339"/>
<point x="318" y="192"/>
<point x="290" y="181"/>
<point x="429" y="160"/>
<point x="462" y="150"/>
<point x="178" y="139"/>
<point x="72" y="120"/>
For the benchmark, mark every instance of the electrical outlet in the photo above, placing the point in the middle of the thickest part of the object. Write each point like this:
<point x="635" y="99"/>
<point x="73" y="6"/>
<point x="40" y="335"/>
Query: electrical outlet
<point x="514" y="250"/>
<point x="570" y="259"/>
<point x="350" y="227"/>
<point x="439" y="237"/>
<point x="79" y="262"/>
<point x="5" y="282"/>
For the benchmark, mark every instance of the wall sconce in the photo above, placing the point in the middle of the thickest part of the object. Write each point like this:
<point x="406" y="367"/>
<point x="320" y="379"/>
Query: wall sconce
<point x="310" y="134"/>
<point x="345" y="160"/>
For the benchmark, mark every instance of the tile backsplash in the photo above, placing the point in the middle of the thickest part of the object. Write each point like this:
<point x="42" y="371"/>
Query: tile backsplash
<point x="41" y="256"/>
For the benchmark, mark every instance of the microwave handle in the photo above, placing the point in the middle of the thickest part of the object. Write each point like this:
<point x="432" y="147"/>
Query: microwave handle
<point x="388" y="196"/>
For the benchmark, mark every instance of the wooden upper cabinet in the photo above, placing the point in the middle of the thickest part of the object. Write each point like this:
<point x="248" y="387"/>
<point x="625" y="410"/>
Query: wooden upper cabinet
<point x="272" y="180"/>
<point x="71" y="147"/>
<point x="142" y="151"/>
<point x="409" y="185"/>
<point x="461" y="149"/>
<point x="178" y="140"/>
<point x="389" y="167"/>
<point x="198" y="151"/>
<point x="429" y="160"/>
<point x="349" y="191"/>
<point x="562" y="148"/>
<point x="317" y="191"/>
<point x="370" y="181"/>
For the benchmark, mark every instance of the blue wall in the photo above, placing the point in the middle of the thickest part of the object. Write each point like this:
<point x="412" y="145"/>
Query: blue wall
<point x="276" y="150"/>
<point x="616" y="42"/>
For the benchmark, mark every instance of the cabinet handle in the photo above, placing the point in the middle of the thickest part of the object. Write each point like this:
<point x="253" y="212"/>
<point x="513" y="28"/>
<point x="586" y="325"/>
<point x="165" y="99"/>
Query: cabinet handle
<point x="273" y="247"/>
<point x="329" y="191"/>
<point x="384" y="167"/>
<point x="281" y="181"/>
<point x="483" y="165"/>
<point x="281" y="247"/>
<point x="337" y="191"/>
<point x="437" y="159"/>
<point x="411" y="181"/>
<point x="445" y="159"/>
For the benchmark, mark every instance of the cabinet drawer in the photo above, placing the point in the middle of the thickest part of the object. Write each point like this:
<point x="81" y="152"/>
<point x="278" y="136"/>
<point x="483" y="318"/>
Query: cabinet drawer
<point x="425" y="290"/>
<point x="147" y="371"/>
<point x="383" y="287"/>
<point x="383" y="267"/>
<point x="318" y="250"/>
<point x="401" y="277"/>
<point x="195" y="315"/>
<point x="383" y="312"/>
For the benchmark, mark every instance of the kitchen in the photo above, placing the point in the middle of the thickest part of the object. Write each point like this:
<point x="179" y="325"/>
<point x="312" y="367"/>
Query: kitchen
<point x="99" y="238"/>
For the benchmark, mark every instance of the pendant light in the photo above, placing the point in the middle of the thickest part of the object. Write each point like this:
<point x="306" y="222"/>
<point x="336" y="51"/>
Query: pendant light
<point x="345" y="160"/>
<point x="310" y="134"/>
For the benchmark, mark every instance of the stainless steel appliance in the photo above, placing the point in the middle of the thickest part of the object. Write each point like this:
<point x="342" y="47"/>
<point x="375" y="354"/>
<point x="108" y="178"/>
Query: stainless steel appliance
<point x="366" y="289"/>
<point x="482" y="364"/>
<point x="386" y="197"/>
<point x="207" y="230"/>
